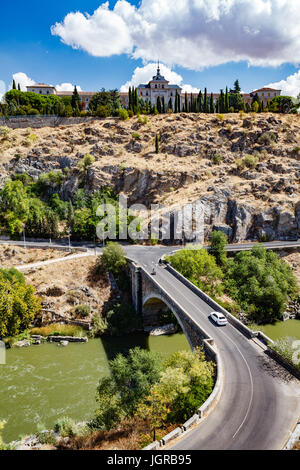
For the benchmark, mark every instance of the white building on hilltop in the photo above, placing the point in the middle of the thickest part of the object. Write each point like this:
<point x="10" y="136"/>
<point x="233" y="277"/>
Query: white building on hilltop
<point x="159" y="87"/>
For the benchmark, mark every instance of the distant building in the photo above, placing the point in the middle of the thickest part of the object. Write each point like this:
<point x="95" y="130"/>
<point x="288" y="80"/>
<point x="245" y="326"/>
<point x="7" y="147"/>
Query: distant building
<point x="265" y="94"/>
<point x="157" y="87"/>
<point x="42" y="89"/>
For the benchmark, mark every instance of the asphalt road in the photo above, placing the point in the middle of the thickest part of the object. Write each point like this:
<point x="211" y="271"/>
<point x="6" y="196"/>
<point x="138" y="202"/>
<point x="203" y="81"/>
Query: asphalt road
<point x="260" y="402"/>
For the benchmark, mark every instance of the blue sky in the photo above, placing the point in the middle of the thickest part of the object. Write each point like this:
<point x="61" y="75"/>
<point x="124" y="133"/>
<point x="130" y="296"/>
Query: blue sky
<point x="27" y="45"/>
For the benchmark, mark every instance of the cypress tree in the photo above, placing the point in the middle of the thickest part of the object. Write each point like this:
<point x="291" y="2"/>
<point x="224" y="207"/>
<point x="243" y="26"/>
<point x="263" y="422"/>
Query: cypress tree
<point x="14" y="85"/>
<point x="226" y="101"/>
<point x="211" y="104"/>
<point x="19" y="87"/>
<point x="129" y="99"/>
<point x="179" y="103"/>
<point x="163" y="105"/>
<point x="176" y="102"/>
<point x="170" y="105"/>
<point x="221" y="102"/>
<point x="200" y="102"/>
<point x="205" y="105"/>
<point x="158" y="104"/>
<point x="75" y="100"/>
<point x="157" y="143"/>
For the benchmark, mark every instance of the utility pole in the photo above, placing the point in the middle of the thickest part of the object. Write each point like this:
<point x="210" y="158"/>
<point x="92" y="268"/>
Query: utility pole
<point x="24" y="238"/>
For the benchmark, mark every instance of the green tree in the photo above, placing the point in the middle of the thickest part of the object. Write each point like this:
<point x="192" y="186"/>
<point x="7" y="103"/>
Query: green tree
<point x="18" y="303"/>
<point x="114" y="258"/>
<point x="217" y="248"/>
<point x="261" y="282"/>
<point x="131" y="380"/>
<point x="200" y="268"/>
<point x="237" y="88"/>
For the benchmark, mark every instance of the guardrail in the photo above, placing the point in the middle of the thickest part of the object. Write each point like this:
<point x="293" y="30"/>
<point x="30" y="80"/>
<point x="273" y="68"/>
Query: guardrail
<point x="265" y="340"/>
<point x="211" y="350"/>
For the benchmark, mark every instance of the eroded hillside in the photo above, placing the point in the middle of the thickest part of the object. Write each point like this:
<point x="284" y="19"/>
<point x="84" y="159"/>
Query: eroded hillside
<point x="245" y="169"/>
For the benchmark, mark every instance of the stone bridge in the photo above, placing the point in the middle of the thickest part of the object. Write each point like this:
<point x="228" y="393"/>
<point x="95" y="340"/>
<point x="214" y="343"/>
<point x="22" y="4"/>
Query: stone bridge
<point x="149" y="298"/>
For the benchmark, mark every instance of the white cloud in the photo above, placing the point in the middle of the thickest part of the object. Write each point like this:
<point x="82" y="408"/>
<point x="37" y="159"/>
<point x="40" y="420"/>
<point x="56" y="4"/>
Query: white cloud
<point x="22" y="79"/>
<point x="288" y="87"/>
<point x="190" y="33"/>
<point x="105" y="33"/>
<point x="2" y="89"/>
<point x="67" y="87"/>
<point x="143" y="75"/>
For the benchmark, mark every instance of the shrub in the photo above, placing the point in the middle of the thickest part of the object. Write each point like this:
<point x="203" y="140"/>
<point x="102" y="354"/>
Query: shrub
<point x="4" y="132"/>
<point x="136" y="136"/>
<point x="289" y="348"/>
<point x="251" y="161"/>
<point x="217" y="158"/>
<point x="100" y="326"/>
<point x="86" y="162"/>
<point x="123" y="114"/>
<point x="66" y="427"/>
<point x="220" y="117"/>
<point x="82" y="311"/>
<point x="240" y="164"/>
<point x="103" y="111"/>
<point x="267" y="138"/>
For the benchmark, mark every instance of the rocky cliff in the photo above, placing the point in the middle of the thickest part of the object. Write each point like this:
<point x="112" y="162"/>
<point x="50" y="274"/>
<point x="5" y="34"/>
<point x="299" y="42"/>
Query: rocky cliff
<point x="244" y="169"/>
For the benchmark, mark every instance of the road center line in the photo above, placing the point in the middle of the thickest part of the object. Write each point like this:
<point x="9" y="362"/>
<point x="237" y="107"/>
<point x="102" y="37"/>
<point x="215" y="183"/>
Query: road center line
<point x="243" y="357"/>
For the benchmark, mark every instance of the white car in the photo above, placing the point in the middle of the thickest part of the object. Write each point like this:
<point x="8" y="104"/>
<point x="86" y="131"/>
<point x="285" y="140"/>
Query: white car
<point x="219" y="318"/>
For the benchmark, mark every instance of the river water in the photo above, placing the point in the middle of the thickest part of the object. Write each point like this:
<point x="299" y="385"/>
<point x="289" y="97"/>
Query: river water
<point x="42" y="383"/>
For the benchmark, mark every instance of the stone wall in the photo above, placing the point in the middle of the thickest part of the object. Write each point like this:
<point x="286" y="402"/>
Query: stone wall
<point x="36" y="122"/>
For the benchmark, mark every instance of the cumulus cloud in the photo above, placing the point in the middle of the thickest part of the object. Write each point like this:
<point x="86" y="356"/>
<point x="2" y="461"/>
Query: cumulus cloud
<point x="67" y="87"/>
<point x="190" y="33"/>
<point x="288" y="87"/>
<point x="22" y="79"/>
<point x="143" y="75"/>
<point x="2" y="89"/>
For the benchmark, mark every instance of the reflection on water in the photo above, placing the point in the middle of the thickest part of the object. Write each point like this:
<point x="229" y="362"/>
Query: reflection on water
<point x="43" y="383"/>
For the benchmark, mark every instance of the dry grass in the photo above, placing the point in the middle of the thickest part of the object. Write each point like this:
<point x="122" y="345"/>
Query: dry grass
<point x="58" y="330"/>
<point x="15" y="256"/>
<point x="131" y="434"/>
<point x="73" y="282"/>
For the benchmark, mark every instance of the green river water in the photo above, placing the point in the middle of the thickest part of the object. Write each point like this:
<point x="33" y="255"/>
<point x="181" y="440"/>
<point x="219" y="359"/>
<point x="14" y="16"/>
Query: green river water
<point x="42" y="383"/>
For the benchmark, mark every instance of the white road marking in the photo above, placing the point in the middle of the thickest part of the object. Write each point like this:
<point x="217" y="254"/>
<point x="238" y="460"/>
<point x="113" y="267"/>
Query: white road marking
<point x="252" y="387"/>
<point x="243" y="357"/>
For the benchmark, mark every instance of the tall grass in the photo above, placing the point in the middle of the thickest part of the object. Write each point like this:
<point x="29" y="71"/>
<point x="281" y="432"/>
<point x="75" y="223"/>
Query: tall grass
<point x="59" y="330"/>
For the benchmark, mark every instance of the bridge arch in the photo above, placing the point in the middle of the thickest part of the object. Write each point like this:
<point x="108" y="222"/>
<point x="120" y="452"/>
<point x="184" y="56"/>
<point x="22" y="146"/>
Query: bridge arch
<point x="154" y="302"/>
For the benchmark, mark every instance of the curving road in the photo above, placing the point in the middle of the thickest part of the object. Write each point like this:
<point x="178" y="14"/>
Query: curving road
<point x="260" y="402"/>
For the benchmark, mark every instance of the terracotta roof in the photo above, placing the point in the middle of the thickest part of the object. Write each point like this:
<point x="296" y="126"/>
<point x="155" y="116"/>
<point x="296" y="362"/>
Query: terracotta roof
<point x="81" y="93"/>
<point x="40" y="85"/>
<point x="265" y="89"/>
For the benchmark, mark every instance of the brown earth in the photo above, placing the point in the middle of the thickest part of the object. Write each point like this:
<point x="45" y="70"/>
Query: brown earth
<point x="200" y="157"/>
<point x="64" y="285"/>
<point x="11" y="256"/>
